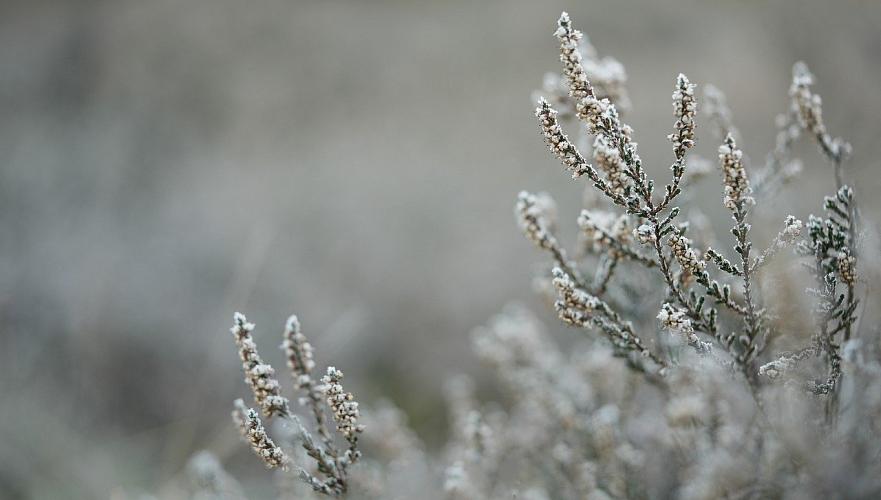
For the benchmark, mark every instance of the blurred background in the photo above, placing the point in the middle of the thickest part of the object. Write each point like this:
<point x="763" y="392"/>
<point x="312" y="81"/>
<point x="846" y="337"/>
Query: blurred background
<point x="167" y="163"/>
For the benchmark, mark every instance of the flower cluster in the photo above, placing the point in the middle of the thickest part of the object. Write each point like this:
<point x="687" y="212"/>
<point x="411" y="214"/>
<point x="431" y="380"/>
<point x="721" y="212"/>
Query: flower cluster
<point x="645" y="234"/>
<point x="846" y="268"/>
<point x="574" y="305"/>
<point x="792" y="229"/>
<point x="577" y="307"/>
<point x="689" y="394"/>
<point x="603" y="228"/>
<point x="600" y="115"/>
<point x="808" y="104"/>
<point x="332" y="465"/>
<point x="570" y="56"/>
<point x="684" y="109"/>
<point x="342" y="404"/>
<point x="694" y="297"/>
<point x="258" y="375"/>
<point x="536" y="214"/>
<point x="298" y="351"/>
<point x="534" y="221"/>
<point x="808" y="108"/>
<point x="610" y="163"/>
<point x="254" y="433"/>
<point x="686" y="255"/>
<point x="676" y="321"/>
<point x="558" y="142"/>
<point x="734" y="178"/>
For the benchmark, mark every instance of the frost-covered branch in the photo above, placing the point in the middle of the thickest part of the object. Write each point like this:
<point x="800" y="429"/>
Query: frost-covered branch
<point x="332" y="465"/>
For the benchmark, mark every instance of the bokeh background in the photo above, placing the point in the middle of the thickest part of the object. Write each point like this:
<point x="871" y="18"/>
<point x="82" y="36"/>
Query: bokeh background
<point x="166" y="163"/>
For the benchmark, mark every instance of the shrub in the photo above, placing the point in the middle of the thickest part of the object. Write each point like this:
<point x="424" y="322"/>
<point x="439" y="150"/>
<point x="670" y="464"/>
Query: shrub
<point x="679" y="388"/>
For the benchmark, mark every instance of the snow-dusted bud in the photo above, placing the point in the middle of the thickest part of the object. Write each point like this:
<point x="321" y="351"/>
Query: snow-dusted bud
<point x="808" y="105"/>
<point x="846" y="268"/>
<point x="558" y="142"/>
<point x="253" y="431"/>
<point x="343" y="406"/>
<point x="601" y="226"/>
<point x="734" y="178"/>
<point x="259" y="376"/>
<point x="535" y="221"/>
<point x="676" y="321"/>
<point x="570" y="56"/>
<point x="298" y="351"/>
<point x="574" y="305"/>
<point x="644" y="234"/>
<point x="577" y="307"/>
<point x="589" y="108"/>
<point x="792" y="229"/>
<point x="596" y="112"/>
<point x="609" y="161"/>
<point x="686" y="255"/>
<point x="684" y="108"/>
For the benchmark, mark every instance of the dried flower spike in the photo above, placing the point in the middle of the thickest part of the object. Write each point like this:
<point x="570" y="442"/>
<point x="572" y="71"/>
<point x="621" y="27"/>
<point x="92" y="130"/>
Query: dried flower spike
<point x="558" y="142"/>
<point x="808" y="108"/>
<point x="735" y="180"/>
<point x="577" y="307"/>
<point x="332" y="464"/>
<point x="253" y="431"/>
<point x="259" y="376"/>
<point x="686" y="255"/>
<point x="609" y="161"/>
<point x="299" y="353"/>
<point x="676" y="321"/>
<point x="571" y="58"/>
<point x="342" y="403"/>
<point x="684" y="109"/>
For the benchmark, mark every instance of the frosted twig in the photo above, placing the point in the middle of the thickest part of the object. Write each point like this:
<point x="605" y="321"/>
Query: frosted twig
<point x="259" y="375"/>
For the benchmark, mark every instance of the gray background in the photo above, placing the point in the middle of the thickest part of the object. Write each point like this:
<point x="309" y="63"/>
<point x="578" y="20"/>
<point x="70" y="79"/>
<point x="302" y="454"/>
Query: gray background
<point x="165" y="163"/>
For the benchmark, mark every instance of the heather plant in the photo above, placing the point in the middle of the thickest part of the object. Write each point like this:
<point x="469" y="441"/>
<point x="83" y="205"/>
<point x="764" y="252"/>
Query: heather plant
<point x="331" y="462"/>
<point x="693" y="296"/>
<point x="690" y="381"/>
